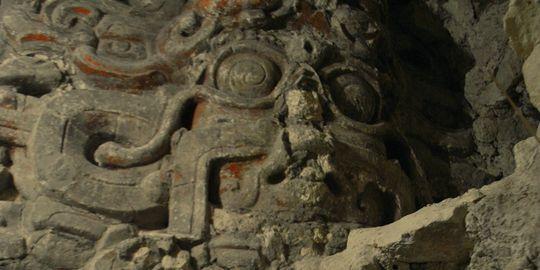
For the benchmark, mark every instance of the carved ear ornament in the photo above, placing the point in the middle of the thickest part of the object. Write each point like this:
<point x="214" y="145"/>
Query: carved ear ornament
<point x="184" y="35"/>
<point x="251" y="72"/>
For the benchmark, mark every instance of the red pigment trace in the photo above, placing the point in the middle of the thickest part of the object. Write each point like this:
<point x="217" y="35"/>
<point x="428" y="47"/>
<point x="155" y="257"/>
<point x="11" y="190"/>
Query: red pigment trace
<point x="81" y="10"/>
<point x="37" y="37"/>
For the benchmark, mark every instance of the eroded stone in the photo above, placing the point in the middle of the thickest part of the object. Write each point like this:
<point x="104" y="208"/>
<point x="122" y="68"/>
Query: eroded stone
<point x="199" y="134"/>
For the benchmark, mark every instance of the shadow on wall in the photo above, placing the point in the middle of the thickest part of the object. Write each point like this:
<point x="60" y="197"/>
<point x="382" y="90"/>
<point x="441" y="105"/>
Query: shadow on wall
<point x="434" y="113"/>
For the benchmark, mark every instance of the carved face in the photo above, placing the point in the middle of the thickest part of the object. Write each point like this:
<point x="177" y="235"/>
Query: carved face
<point x="233" y="123"/>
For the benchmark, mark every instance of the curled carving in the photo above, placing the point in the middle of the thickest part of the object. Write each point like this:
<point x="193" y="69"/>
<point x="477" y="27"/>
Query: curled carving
<point x="248" y="75"/>
<point x="71" y="14"/>
<point x="127" y="75"/>
<point x="113" y="154"/>
<point x="184" y="35"/>
<point x="117" y="155"/>
<point x="68" y="136"/>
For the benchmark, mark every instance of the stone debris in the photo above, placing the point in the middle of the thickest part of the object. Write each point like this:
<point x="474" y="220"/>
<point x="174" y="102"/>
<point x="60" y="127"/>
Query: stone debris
<point x="493" y="227"/>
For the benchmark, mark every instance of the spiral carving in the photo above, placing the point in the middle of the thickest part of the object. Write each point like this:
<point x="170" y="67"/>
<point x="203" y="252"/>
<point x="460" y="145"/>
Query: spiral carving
<point x="248" y="71"/>
<point x="248" y="75"/>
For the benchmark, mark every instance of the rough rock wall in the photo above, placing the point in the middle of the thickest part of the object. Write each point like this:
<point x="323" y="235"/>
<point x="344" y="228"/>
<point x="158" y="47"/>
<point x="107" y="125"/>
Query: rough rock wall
<point x="495" y="227"/>
<point x="464" y="47"/>
<point x="522" y="23"/>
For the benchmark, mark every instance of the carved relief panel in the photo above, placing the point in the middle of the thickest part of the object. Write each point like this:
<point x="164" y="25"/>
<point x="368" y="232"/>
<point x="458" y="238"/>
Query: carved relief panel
<point x="166" y="134"/>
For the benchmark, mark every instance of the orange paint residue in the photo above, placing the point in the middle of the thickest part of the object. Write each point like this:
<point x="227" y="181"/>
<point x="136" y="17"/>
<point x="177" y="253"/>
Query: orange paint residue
<point x="199" y="110"/>
<point x="37" y="37"/>
<point x="97" y="64"/>
<point x="319" y="22"/>
<point x="89" y="59"/>
<point x="92" y="71"/>
<point x="204" y="4"/>
<point x="223" y="4"/>
<point x="308" y="17"/>
<point x="176" y="177"/>
<point x="154" y="75"/>
<point x="81" y="10"/>
<point x="235" y="169"/>
<point x="114" y="160"/>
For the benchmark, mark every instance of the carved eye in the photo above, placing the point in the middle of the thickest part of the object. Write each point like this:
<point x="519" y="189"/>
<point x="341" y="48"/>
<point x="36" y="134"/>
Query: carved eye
<point x="353" y="95"/>
<point x="248" y="75"/>
<point x="123" y="48"/>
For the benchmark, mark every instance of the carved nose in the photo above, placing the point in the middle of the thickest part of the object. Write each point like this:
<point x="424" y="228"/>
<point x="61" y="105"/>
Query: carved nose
<point x="304" y="106"/>
<point x="304" y="102"/>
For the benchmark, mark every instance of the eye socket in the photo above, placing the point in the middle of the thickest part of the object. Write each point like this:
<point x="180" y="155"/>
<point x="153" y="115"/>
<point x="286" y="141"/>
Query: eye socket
<point x="355" y="97"/>
<point x="248" y="75"/>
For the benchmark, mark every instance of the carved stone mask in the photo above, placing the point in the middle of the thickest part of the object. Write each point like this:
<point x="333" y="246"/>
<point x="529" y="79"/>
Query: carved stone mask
<point x="252" y="130"/>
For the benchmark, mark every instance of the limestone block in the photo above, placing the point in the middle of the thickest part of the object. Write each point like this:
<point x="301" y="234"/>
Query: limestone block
<point x="522" y="23"/>
<point x="11" y="246"/>
<point x="531" y="74"/>
<point x="500" y="221"/>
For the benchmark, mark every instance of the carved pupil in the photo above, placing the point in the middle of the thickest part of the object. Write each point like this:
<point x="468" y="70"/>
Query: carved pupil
<point x="248" y="75"/>
<point x="120" y="46"/>
<point x="123" y="49"/>
<point x="355" y="98"/>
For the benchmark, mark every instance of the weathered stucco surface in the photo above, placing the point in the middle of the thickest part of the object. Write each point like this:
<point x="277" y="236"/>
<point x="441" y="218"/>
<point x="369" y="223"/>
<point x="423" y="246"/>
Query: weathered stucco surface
<point x="269" y="134"/>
